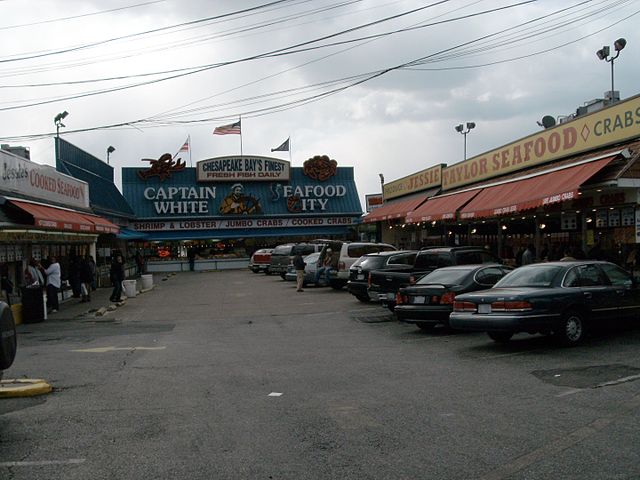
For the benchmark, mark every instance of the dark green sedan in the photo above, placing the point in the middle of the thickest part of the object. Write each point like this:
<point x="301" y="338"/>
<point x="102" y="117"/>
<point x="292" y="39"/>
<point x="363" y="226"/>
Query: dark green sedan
<point x="565" y="299"/>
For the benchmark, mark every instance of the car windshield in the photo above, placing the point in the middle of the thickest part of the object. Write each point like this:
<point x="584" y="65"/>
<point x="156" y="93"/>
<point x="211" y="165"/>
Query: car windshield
<point x="313" y="258"/>
<point x="282" y="250"/>
<point x="530" y="276"/>
<point x="445" y="276"/>
<point x="370" y="262"/>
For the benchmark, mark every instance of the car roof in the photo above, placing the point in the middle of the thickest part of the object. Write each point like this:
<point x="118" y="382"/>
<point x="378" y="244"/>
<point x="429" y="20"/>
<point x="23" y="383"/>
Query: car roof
<point x="449" y="249"/>
<point x="388" y="253"/>
<point x="470" y="266"/>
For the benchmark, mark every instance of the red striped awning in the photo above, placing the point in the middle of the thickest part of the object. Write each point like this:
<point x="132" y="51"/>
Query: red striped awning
<point x="533" y="192"/>
<point x="442" y="207"/>
<point x="45" y="216"/>
<point x="396" y="209"/>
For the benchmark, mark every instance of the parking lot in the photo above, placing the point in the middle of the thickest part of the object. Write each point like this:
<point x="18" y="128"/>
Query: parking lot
<point x="243" y="377"/>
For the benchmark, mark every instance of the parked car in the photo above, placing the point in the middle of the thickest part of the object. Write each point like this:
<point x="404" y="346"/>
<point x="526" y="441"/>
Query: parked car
<point x="261" y="260"/>
<point x="562" y="298"/>
<point x="430" y="301"/>
<point x="387" y="283"/>
<point x="282" y="255"/>
<point x="358" y="283"/>
<point x="8" y="343"/>
<point x="344" y="255"/>
<point x="310" y="270"/>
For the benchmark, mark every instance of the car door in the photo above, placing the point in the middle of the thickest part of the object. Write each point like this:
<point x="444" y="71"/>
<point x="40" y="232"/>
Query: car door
<point x="599" y="295"/>
<point x="627" y="292"/>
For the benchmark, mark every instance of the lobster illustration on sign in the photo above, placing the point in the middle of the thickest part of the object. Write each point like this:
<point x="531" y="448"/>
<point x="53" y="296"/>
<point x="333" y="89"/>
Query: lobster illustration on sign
<point x="163" y="167"/>
<point x="320" y="167"/>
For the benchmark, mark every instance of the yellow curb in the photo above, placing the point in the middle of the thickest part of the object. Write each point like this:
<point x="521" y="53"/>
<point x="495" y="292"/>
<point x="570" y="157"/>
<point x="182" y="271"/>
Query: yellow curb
<point x="27" y="387"/>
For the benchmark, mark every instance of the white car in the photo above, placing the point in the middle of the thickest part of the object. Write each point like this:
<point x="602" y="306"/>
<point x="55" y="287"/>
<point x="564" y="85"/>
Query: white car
<point x="344" y="255"/>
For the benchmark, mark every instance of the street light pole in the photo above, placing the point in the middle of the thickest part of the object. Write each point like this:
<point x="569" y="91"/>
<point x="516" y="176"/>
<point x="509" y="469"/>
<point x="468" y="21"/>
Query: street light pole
<point x="58" y="123"/>
<point x="110" y="150"/>
<point x="461" y="129"/>
<point x="603" y="54"/>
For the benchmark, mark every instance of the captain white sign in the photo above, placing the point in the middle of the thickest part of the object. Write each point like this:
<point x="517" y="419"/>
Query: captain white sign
<point x="242" y="223"/>
<point x="43" y="182"/>
<point x="243" y="168"/>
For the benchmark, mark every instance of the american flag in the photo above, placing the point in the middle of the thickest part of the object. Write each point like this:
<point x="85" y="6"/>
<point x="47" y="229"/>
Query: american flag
<point x="233" y="128"/>
<point x="185" y="146"/>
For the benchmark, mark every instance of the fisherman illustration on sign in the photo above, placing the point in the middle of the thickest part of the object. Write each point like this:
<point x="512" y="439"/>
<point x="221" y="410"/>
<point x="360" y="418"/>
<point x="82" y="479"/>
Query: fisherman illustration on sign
<point x="237" y="203"/>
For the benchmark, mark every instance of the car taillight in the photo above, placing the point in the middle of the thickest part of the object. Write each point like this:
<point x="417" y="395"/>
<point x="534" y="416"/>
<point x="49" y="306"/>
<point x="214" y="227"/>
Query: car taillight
<point x="401" y="298"/>
<point x="341" y="266"/>
<point x="464" y="307"/>
<point x="513" y="306"/>
<point x="369" y="280"/>
<point x="447" y="298"/>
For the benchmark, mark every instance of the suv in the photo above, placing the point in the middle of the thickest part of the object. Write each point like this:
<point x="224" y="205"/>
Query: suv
<point x="345" y="254"/>
<point x="283" y="254"/>
<point x="359" y="272"/>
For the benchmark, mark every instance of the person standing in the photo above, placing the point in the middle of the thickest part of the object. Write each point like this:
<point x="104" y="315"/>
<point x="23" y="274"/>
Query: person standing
<point x="117" y="277"/>
<point x="327" y="266"/>
<point x="53" y="284"/>
<point x="298" y="265"/>
<point x="191" y="255"/>
<point x="139" y="263"/>
<point x="92" y="266"/>
<point x="528" y="255"/>
<point x="74" y="275"/>
<point x="86" y="277"/>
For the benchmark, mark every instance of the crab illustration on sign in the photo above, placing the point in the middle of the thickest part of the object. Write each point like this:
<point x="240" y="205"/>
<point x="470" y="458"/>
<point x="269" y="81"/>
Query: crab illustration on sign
<point x="320" y="167"/>
<point x="163" y="167"/>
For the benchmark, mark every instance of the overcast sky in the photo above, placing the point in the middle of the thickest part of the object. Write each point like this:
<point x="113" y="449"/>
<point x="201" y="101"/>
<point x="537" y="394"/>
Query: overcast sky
<point x="410" y="78"/>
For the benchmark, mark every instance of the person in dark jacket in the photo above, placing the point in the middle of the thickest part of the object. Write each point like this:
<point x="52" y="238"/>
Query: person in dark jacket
<point x="86" y="279"/>
<point x="117" y="277"/>
<point x="74" y="276"/>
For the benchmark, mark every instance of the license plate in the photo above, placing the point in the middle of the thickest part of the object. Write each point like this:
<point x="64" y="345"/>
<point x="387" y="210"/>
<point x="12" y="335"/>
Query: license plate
<point x="419" y="299"/>
<point x="484" y="308"/>
<point x="360" y="276"/>
<point x="391" y="296"/>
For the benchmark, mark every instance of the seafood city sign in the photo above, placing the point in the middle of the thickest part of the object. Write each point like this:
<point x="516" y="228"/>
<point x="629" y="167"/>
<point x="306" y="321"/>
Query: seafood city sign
<point x="242" y="168"/>
<point x="43" y="182"/>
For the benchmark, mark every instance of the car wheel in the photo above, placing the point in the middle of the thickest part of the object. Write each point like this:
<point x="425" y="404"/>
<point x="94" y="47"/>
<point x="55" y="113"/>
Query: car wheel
<point x="363" y="299"/>
<point x="255" y="270"/>
<point x="570" y="330"/>
<point x="267" y="271"/>
<point x="283" y="276"/>
<point x="500" y="337"/>
<point x="426" y="327"/>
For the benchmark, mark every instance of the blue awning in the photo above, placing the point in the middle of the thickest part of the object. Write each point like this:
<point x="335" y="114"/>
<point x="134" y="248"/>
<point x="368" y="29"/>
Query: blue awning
<point x="243" y="233"/>
<point x="128" y="234"/>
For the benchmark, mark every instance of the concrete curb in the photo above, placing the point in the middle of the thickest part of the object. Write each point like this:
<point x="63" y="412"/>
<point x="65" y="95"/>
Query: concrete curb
<point x="23" y="387"/>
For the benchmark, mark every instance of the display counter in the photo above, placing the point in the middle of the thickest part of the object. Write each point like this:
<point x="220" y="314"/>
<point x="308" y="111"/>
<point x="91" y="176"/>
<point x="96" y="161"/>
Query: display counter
<point x="201" y="264"/>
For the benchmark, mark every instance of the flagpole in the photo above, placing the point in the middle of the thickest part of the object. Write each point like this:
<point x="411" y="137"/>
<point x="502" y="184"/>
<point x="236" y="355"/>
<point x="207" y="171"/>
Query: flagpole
<point x="240" y="122"/>
<point x="189" y="139"/>
<point x="290" y="161"/>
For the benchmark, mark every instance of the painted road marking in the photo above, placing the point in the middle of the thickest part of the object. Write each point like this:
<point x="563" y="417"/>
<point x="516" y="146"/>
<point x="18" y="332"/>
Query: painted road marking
<point x="71" y="461"/>
<point x="113" y="349"/>
<point x="274" y="394"/>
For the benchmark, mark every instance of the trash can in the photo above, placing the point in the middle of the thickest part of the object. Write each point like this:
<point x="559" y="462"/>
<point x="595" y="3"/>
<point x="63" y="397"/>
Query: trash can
<point x="33" y="306"/>
<point x="129" y="287"/>
<point x="147" y="281"/>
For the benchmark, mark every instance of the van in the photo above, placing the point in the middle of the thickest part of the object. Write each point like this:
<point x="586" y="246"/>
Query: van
<point x="344" y="254"/>
<point x="282" y="255"/>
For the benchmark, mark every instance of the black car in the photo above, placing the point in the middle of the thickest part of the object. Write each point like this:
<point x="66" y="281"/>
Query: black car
<point x="562" y="298"/>
<point x="430" y="301"/>
<point x="359" y="272"/>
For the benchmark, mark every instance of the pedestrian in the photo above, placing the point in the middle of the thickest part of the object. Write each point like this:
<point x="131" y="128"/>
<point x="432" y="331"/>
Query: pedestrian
<point x="298" y="265"/>
<point x="53" y="284"/>
<point x="191" y="255"/>
<point x="6" y="285"/>
<point x="86" y="277"/>
<point x="139" y="263"/>
<point x="568" y="256"/>
<point x="94" y="270"/>
<point x="33" y="276"/>
<point x="327" y="266"/>
<point x="74" y="275"/>
<point x="528" y="255"/>
<point x="117" y="277"/>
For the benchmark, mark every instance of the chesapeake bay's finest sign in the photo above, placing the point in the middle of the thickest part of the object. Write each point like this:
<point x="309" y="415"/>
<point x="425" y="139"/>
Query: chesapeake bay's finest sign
<point x="610" y="125"/>
<point x="239" y="223"/>
<point x="423" y="180"/>
<point x="243" y="168"/>
<point x="21" y="176"/>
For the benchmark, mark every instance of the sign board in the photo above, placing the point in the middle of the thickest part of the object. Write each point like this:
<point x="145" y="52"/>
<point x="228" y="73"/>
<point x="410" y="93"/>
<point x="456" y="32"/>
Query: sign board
<point x="423" y="180"/>
<point x="24" y="178"/>
<point x="258" y="223"/>
<point x="587" y="132"/>
<point x="373" y="201"/>
<point x="242" y="168"/>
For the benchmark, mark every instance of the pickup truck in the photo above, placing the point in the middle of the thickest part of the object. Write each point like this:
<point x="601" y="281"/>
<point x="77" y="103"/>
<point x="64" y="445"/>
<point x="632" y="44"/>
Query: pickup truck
<point x="386" y="283"/>
<point x="359" y="272"/>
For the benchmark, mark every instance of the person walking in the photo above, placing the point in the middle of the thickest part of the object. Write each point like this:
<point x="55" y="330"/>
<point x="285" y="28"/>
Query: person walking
<point x="94" y="270"/>
<point x="53" y="284"/>
<point x="86" y="277"/>
<point x="117" y="277"/>
<point x="298" y="265"/>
